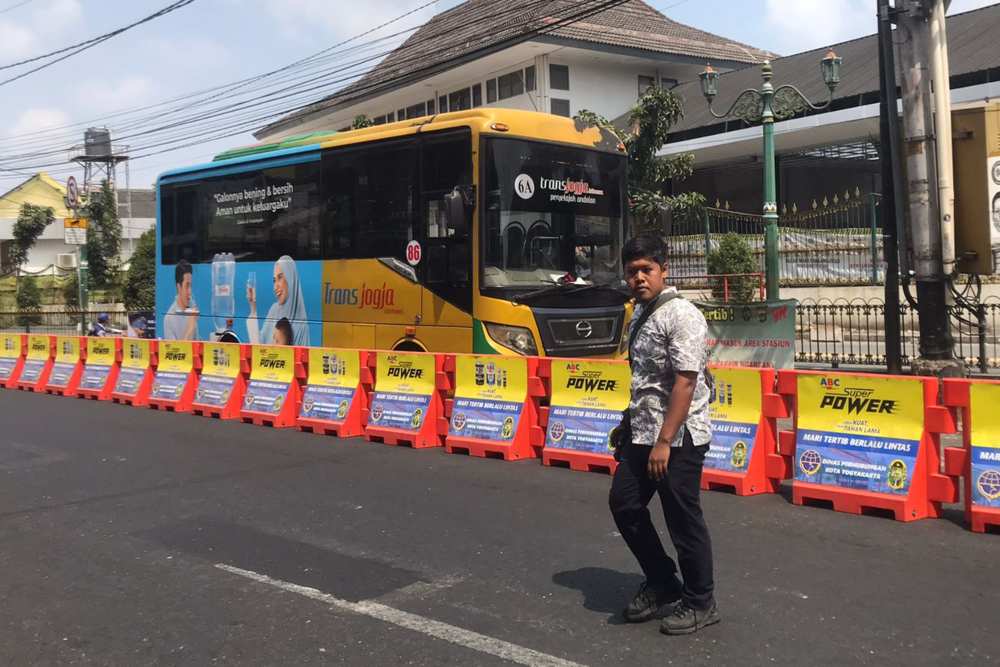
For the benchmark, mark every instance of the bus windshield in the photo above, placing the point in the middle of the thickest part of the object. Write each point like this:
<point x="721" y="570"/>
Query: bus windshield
<point x="552" y="215"/>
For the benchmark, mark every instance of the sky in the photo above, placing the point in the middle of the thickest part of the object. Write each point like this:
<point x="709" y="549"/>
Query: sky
<point x="214" y="42"/>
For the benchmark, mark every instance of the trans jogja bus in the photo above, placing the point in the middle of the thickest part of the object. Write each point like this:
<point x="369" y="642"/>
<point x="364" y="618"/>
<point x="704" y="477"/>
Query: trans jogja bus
<point x="486" y="231"/>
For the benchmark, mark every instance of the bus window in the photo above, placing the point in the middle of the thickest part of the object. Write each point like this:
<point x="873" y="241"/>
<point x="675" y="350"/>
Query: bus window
<point x="384" y="200"/>
<point x="446" y="163"/>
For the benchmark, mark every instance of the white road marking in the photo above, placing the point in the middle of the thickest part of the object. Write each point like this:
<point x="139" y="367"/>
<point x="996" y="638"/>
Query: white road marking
<point x="404" y="619"/>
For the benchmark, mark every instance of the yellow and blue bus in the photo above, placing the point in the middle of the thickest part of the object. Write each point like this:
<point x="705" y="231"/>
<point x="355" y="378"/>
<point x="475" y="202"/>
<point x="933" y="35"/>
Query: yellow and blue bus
<point x="487" y="231"/>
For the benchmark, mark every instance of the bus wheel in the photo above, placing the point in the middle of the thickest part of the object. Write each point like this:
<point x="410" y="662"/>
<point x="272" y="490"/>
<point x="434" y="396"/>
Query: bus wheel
<point x="408" y="346"/>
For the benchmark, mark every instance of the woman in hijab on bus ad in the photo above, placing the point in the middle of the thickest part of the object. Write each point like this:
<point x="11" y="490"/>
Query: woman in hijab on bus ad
<point x="288" y="305"/>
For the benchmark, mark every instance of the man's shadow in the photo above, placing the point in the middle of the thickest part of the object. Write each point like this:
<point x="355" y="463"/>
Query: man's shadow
<point x="606" y="591"/>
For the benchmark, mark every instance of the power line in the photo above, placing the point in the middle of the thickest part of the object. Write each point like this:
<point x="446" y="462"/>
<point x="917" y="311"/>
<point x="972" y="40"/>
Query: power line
<point x="73" y="50"/>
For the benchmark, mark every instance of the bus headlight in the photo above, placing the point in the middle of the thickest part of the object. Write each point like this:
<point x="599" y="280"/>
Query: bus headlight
<point x="518" y="339"/>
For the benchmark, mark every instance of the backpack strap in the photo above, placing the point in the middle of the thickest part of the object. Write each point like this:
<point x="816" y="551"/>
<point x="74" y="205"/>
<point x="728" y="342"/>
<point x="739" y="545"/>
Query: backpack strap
<point x="661" y="300"/>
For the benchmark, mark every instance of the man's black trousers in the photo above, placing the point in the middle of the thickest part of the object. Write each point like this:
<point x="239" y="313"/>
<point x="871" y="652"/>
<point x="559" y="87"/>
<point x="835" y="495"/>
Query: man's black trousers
<point x="631" y="491"/>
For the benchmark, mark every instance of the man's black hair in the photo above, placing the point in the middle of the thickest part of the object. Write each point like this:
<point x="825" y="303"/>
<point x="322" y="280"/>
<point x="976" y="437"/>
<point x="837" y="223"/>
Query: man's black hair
<point x="645" y="246"/>
<point x="182" y="269"/>
<point x="285" y="327"/>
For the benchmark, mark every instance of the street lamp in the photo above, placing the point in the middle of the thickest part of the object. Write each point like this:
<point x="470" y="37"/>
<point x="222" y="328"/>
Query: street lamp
<point x="764" y="106"/>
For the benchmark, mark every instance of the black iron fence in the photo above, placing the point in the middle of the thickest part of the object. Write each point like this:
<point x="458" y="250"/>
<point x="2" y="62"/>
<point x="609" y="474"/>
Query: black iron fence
<point x="835" y="241"/>
<point x="66" y="322"/>
<point x="852" y="333"/>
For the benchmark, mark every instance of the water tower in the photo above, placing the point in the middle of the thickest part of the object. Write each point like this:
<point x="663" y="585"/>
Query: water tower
<point x="100" y="159"/>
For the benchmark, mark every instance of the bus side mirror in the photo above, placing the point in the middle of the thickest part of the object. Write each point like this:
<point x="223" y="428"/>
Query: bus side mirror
<point x="459" y="204"/>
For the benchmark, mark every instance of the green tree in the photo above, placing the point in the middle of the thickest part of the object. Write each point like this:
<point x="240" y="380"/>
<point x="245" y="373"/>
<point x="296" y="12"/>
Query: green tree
<point x="31" y="222"/>
<point x="104" y="239"/>
<point x="139" y="292"/>
<point x="360" y="122"/>
<point x="29" y="301"/>
<point x="650" y="121"/>
<point x="71" y="291"/>
<point x="734" y="255"/>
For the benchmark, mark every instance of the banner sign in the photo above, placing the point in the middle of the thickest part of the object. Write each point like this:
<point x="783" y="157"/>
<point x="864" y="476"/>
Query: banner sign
<point x="859" y="432"/>
<point x="272" y="372"/>
<point x="588" y="398"/>
<point x="67" y="357"/>
<point x="10" y="352"/>
<point x="985" y="439"/>
<point x="135" y="363"/>
<point x="489" y="397"/>
<point x="100" y="359"/>
<point x="38" y="356"/>
<point x="221" y="366"/>
<point x="176" y="364"/>
<point x="403" y="389"/>
<point x="756" y="335"/>
<point x="334" y="375"/>
<point x="735" y="409"/>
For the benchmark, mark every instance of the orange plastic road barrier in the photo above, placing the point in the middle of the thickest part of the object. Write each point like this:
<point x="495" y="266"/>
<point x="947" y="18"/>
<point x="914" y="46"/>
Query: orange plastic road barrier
<point x="273" y="393"/>
<point x="223" y="380"/>
<point x="37" y="364"/>
<point x="100" y="372"/>
<point x="336" y="393"/>
<point x="12" y="351"/>
<point x="744" y="451"/>
<point x="979" y="460"/>
<point x="68" y="366"/>
<point x="135" y="377"/>
<point x="406" y="401"/>
<point x="867" y="442"/>
<point x="494" y="412"/>
<point x="586" y="401"/>
<point x="176" y="377"/>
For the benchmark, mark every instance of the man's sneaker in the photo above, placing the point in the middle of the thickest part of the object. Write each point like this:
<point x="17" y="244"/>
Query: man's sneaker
<point x="685" y="619"/>
<point x="649" y="603"/>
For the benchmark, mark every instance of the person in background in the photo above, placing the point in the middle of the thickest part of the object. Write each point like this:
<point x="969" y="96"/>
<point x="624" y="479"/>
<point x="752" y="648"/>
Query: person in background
<point x="667" y="431"/>
<point x="100" y="328"/>
<point x="181" y="320"/>
<point x="137" y="327"/>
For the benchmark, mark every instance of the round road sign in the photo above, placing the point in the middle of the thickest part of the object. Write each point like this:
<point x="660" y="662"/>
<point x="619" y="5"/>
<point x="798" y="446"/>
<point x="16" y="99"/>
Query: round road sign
<point x="72" y="192"/>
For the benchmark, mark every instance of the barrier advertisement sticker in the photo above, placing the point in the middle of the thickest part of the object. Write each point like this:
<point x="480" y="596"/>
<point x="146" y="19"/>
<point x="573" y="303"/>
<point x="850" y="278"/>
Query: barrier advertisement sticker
<point x="100" y="358"/>
<point x="135" y="353"/>
<point x="38" y="356"/>
<point x="758" y="335"/>
<point x="333" y="379"/>
<point x="403" y="388"/>
<point x="735" y="410"/>
<point x="10" y="352"/>
<point x="168" y="386"/>
<point x="272" y="372"/>
<point x="218" y="374"/>
<point x="588" y="398"/>
<point x="985" y="438"/>
<point x="67" y="357"/>
<point x="176" y="364"/>
<point x="129" y="380"/>
<point x="859" y="432"/>
<point x="489" y="397"/>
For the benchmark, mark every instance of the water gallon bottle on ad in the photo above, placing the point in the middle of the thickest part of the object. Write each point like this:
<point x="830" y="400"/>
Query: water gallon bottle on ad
<point x="223" y="299"/>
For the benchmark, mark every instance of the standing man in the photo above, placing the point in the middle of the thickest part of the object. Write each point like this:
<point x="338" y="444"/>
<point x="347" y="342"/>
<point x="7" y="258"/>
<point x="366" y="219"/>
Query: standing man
<point x="661" y="447"/>
<point x="181" y="320"/>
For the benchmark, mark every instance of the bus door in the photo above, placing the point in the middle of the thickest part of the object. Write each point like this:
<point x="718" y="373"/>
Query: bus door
<point x="445" y="267"/>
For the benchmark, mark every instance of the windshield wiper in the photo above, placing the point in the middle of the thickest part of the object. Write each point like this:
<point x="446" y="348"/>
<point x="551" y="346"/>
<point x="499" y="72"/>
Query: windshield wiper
<point x="558" y="288"/>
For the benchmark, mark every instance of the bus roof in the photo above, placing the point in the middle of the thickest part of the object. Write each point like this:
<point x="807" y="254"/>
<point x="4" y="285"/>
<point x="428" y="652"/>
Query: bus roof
<point x="511" y="122"/>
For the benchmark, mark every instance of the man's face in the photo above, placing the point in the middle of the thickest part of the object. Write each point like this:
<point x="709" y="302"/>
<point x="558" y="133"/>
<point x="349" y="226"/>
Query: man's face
<point x="645" y="279"/>
<point x="184" y="291"/>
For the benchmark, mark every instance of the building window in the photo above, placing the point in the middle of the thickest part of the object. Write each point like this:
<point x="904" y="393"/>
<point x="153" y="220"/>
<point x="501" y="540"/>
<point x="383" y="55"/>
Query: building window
<point x="378" y="120"/>
<point x="529" y="78"/>
<point x="511" y="85"/>
<point x="559" y="77"/>
<point x="645" y="83"/>
<point x="460" y="100"/>
<point x="430" y="107"/>
<point x="443" y="104"/>
<point x="491" y="91"/>
<point x="390" y="117"/>
<point x="416" y="111"/>
<point x="560" y="107"/>
<point x="477" y="95"/>
<point x="401" y="114"/>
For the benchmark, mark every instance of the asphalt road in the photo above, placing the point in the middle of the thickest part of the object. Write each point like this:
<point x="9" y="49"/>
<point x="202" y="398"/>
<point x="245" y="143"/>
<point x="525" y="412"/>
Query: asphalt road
<point x="132" y="537"/>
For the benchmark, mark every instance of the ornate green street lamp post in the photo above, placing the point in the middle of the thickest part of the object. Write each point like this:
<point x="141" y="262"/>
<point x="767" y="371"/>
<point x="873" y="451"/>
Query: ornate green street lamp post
<point x="765" y="106"/>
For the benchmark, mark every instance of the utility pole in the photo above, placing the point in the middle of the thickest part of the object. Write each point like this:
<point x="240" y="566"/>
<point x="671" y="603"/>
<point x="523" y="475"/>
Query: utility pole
<point x="913" y="46"/>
